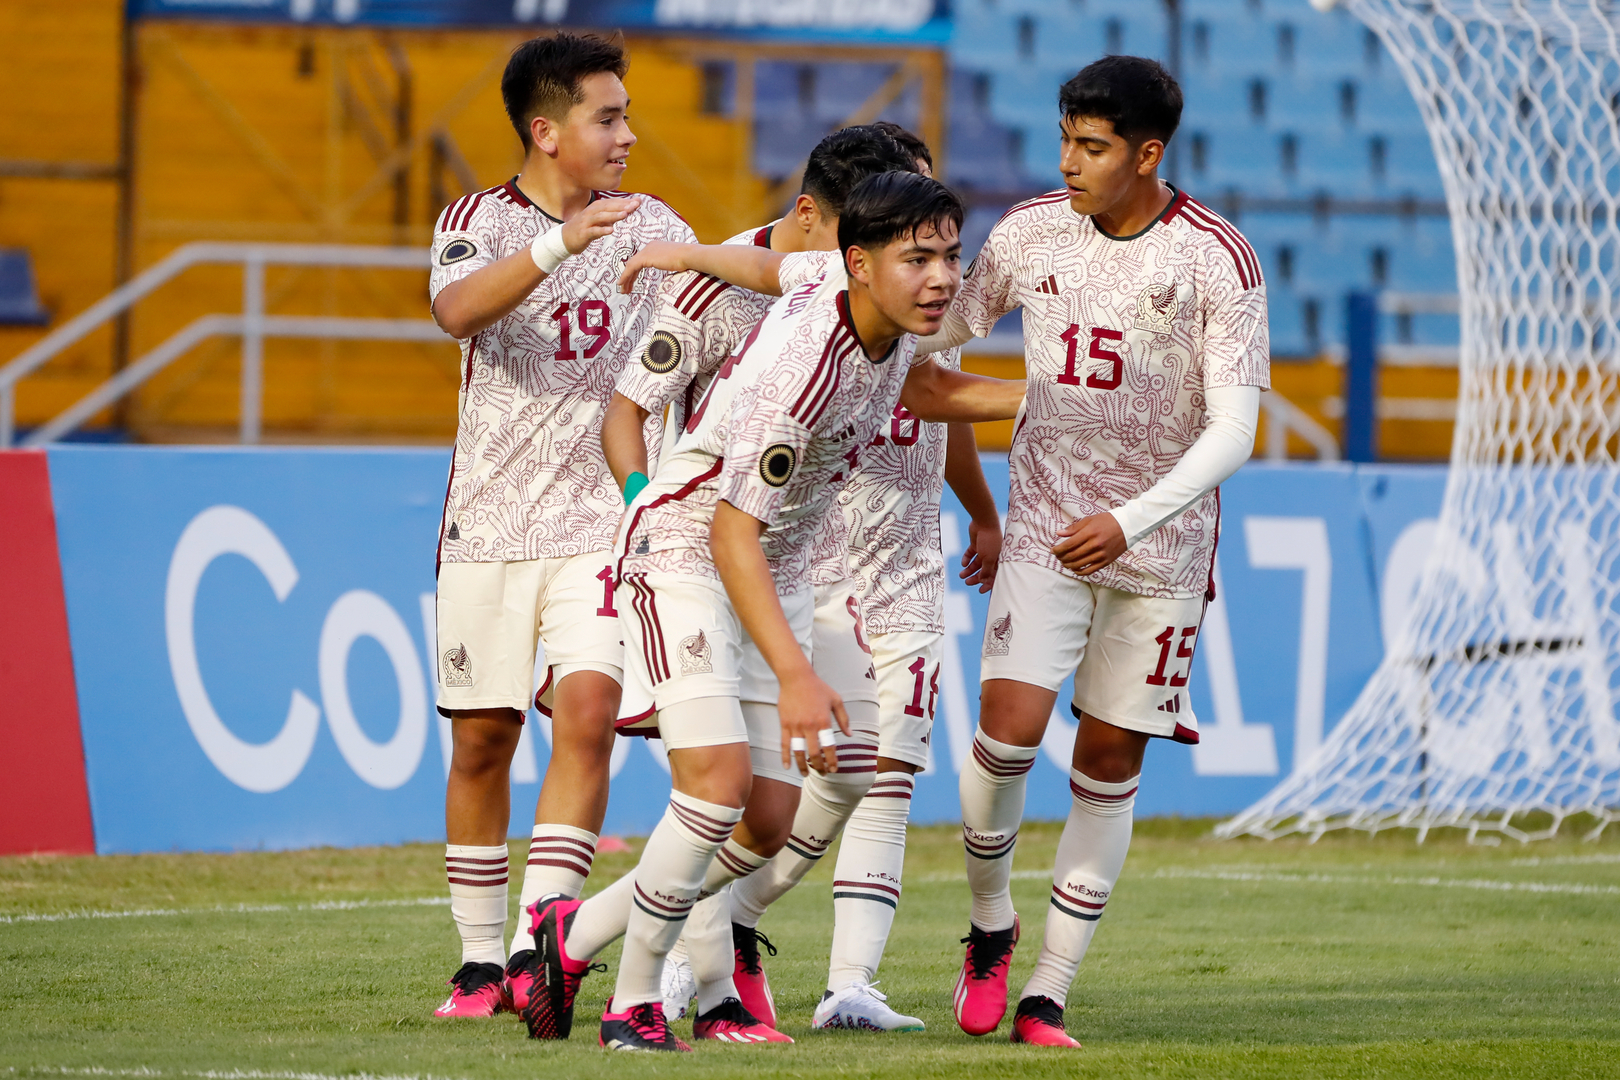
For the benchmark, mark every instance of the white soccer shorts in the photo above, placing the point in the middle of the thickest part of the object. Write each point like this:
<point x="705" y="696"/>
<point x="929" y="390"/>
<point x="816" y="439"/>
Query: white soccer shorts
<point x="840" y="652"/>
<point x="1131" y="655"/>
<point x="907" y="664"/>
<point x="491" y="616"/>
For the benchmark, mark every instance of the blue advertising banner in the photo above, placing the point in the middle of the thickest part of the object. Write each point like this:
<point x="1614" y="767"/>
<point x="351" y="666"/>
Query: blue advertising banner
<point x="252" y="635"/>
<point x="925" y="22"/>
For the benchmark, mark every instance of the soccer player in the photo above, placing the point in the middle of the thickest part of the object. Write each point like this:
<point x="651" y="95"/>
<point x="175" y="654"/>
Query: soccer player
<point x="700" y="321"/>
<point x="715" y="557"/>
<point x="525" y="275"/>
<point x="1146" y="345"/>
<point x="889" y="513"/>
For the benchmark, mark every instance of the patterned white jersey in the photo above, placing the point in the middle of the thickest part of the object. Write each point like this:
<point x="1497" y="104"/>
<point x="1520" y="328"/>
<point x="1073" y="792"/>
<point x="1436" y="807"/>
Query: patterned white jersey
<point x="1121" y="336"/>
<point x="890" y="509"/>
<point x="528" y="479"/>
<point x="781" y="427"/>
<point x="698" y="322"/>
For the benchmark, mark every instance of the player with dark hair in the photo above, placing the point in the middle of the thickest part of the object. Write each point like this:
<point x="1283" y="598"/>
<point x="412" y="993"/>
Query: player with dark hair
<point x="714" y="567"/>
<point x="1146" y="345"/>
<point x="524" y="275"/>
<point x="699" y="323"/>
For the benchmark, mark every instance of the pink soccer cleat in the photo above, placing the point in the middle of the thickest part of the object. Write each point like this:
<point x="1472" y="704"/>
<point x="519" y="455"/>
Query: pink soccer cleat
<point x="476" y="991"/>
<point x="549" y="1012"/>
<point x="640" y="1027"/>
<point x="522" y="975"/>
<point x="749" y="974"/>
<point x="1039" y="1022"/>
<point x="981" y="989"/>
<point x="731" y="1022"/>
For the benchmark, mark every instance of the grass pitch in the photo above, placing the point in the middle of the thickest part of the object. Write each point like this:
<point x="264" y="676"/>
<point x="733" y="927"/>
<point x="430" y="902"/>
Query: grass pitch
<point x="1347" y="958"/>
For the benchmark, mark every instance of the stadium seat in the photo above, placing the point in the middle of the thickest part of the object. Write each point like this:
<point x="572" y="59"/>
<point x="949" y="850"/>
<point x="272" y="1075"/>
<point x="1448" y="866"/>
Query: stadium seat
<point x="19" y="299"/>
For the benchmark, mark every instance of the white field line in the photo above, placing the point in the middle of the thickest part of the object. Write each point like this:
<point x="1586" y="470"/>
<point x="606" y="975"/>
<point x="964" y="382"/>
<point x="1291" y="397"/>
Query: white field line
<point x="226" y="909"/>
<point x="1565" y="860"/>
<point x="1485" y="884"/>
<point x="206" y="1074"/>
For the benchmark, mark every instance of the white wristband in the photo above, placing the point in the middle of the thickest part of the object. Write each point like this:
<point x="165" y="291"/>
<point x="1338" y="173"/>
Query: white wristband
<point x="548" y="250"/>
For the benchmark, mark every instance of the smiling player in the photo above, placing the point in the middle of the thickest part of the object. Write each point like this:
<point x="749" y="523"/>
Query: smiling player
<point x="524" y="274"/>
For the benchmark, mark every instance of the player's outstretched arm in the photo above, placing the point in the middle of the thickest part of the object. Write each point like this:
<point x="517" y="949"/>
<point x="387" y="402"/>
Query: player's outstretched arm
<point x="937" y="393"/>
<point x="1226" y="443"/>
<point x="622" y="444"/>
<point x="752" y="268"/>
<point x="490" y="293"/>
<point x="805" y="704"/>
<point x="965" y="474"/>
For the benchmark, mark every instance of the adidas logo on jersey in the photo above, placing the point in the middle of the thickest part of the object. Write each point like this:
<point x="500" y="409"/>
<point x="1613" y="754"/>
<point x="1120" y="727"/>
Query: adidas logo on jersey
<point x="1172" y="706"/>
<point x="1048" y="285"/>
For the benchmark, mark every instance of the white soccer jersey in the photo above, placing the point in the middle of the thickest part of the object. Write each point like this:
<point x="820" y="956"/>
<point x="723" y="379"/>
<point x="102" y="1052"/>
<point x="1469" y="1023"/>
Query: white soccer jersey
<point x="780" y="429"/>
<point x="698" y="322"/>
<point x="1121" y="336"/>
<point x="528" y="479"/>
<point x="890" y="512"/>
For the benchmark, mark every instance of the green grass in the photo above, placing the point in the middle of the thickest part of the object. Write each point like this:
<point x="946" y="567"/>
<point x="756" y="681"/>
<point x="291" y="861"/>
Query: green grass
<point x="1350" y="957"/>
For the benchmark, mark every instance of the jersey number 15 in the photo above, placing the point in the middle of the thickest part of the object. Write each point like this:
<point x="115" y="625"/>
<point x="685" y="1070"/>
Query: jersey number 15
<point x="1099" y="351"/>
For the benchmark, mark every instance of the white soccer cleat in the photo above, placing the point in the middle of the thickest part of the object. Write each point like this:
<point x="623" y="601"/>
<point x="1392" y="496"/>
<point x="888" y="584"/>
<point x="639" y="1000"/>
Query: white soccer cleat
<point x="860" y="1007"/>
<point x="677" y="985"/>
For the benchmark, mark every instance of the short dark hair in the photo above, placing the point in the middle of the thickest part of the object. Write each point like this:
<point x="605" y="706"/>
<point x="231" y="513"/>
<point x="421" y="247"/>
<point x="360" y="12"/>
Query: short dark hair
<point x="1137" y="95"/>
<point x="544" y="74"/>
<point x="910" y="143"/>
<point x="894" y="204"/>
<point x="847" y="157"/>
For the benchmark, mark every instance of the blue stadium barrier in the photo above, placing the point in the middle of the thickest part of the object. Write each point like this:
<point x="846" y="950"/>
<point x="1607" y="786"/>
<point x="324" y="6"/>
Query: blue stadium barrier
<point x="252" y="641"/>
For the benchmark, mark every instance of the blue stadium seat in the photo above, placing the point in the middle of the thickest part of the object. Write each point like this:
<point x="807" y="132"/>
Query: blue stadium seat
<point x="19" y="299"/>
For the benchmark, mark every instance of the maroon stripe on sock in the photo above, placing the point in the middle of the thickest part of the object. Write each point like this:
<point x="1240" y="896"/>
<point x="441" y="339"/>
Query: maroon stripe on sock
<point x="734" y="864"/>
<point x="563" y="864"/>
<point x="587" y="856"/>
<point x="980" y="846"/>
<point x="568" y="840"/>
<point x="1096" y="796"/>
<point x="661" y="905"/>
<point x="475" y="862"/>
<point x="996" y="766"/>
<point x="1066" y="898"/>
<point x="476" y="884"/>
<point x="701" y="824"/>
<point x="866" y="885"/>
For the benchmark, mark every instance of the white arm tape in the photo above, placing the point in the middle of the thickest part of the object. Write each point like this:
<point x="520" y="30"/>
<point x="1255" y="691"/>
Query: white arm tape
<point x="1216" y="454"/>
<point x="548" y="250"/>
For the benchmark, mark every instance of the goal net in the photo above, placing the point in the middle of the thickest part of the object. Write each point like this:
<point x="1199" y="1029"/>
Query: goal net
<point x="1494" y="708"/>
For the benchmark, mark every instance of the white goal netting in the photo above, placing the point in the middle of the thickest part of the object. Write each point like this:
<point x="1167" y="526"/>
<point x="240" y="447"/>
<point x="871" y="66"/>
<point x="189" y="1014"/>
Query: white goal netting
<point x="1495" y="709"/>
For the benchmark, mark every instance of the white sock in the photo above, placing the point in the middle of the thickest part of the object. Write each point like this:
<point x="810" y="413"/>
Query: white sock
<point x="559" y="862"/>
<point x="1089" y="858"/>
<point x="601" y="920"/>
<point x="866" y="882"/>
<point x="477" y="877"/>
<point x="992" y="794"/>
<point x="708" y="940"/>
<point x="668" y="880"/>
<point x="825" y="804"/>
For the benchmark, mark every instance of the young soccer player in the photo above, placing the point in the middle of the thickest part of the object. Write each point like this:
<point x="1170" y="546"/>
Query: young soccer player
<point x="714" y="567"/>
<point x="700" y="321"/>
<point x="524" y="274"/>
<point x="1145" y="337"/>
<point x="889" y="514"/>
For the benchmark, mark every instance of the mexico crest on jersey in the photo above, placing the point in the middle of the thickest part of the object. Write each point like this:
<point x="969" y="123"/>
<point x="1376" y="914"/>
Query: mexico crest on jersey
<point x="1156" y="308"/>
<point x="662" y="354"/>
<point x="695" y="654"/>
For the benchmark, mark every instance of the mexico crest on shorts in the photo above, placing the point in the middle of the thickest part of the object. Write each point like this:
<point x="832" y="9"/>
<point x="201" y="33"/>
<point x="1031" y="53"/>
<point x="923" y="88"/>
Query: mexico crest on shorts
<point x="777" y="463"/>
<point x="998" y="636"/>
<point x="662" y="354"/>
<point x="695" y="655"/>
<point x="1156" y="308"/>
<point x="457" y="667"/>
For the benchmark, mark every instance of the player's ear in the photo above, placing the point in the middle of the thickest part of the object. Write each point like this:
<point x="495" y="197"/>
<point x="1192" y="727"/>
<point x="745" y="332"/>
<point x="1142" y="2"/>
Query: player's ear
<point x="543" y="134"/>
<point x="859" y="265"/>
<point x="1148" y="156"/>
<point x="806" y="212"/>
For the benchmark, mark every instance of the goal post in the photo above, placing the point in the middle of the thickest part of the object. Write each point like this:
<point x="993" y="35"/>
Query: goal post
<point x="1494" y="709"/>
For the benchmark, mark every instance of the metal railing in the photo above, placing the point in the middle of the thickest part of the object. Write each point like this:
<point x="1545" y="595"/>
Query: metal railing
<point x="1283" y="416"/>
<point x="252" y="326"/>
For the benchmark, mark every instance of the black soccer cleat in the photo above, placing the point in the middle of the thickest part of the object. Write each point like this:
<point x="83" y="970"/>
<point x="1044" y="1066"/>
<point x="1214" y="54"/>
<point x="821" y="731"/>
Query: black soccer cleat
<point x="640" y="1027"/>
